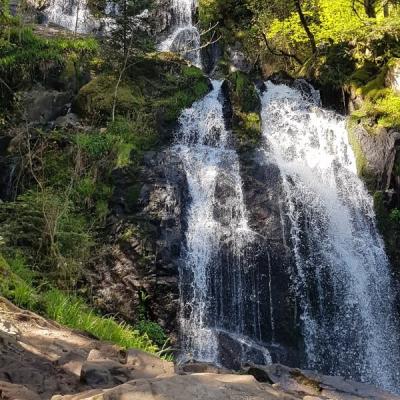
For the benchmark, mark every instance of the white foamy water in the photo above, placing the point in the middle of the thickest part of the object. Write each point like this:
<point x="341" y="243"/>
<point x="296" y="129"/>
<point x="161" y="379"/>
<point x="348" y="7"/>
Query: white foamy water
<point x="216" y="220"/>
<point x="73" y="15"/>
<point x="342" y="273"/>
<point x="185" y="37"/>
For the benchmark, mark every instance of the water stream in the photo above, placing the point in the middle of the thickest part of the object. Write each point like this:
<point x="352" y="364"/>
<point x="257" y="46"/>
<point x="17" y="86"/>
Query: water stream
<point x="184" y="37"/>
<point x="215" y="275"/>
<point x="342" y="274"/>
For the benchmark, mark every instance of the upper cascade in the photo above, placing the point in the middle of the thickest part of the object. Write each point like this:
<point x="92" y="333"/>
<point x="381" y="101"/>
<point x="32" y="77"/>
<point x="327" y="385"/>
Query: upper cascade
<point x="341" y="272"/>
<point x="185" y="37"/>
<point x="73" y="15"/>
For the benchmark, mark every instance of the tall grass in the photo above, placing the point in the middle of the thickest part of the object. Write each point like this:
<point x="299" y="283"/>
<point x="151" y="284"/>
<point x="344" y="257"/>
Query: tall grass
<point x="71" y="311"/>
<point x="17" y="284"/>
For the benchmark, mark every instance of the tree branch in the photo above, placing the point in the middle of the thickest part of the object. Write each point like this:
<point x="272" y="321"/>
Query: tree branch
<point x="280" y="53"/>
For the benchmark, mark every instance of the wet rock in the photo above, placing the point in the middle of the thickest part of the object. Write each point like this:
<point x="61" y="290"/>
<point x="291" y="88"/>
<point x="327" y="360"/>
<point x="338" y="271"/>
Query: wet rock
<point x="272" y="257"/>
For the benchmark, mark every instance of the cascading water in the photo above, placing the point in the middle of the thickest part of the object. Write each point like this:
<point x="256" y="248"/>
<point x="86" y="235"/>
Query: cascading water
<point x="214" y="278"/>
<point x="341" y="272"/>
<point x="185" y="37"/>
<point x="73" y="15"/>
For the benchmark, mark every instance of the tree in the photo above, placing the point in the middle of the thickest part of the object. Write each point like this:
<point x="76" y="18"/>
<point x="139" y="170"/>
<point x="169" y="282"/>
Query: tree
<point x="306" y="28"/>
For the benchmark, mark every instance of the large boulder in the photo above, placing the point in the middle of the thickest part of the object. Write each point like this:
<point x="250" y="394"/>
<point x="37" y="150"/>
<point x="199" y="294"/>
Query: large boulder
<point x="313" y="384"/>
<point x="185" y="387"/>
<point x="42" y="105"/>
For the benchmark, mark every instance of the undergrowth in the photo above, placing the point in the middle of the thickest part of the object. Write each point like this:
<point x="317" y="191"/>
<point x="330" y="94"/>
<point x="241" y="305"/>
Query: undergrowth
<point x="16" y="284"/>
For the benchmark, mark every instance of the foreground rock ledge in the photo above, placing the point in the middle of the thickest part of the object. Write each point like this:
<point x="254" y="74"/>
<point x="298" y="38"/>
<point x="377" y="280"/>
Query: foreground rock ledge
<point x="42" y="360"/>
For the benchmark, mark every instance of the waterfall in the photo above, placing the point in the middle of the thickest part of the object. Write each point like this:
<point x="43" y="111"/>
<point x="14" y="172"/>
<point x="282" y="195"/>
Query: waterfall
<point x="185" y="37"/>
<point x="73" y="15"/>
<point x="214" y="277"/>
<point x="341" y="273"/>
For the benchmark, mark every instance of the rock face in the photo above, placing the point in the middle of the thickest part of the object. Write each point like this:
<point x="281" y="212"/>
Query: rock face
<point x="262" y="190"/>
<point x="378" y="153"/>
<point x="148" y="218"/>
<point x="140" y="274"/>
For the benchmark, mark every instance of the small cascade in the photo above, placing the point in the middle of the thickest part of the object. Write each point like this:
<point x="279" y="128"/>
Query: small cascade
<point x="185" y="37"/>
<point x="341" y="273"/>
<point x="73" y="15"/>
<point x="215" y="275"/>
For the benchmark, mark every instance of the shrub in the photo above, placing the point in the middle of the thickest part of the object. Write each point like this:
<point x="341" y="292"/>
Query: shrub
<point x="154" y="331"/>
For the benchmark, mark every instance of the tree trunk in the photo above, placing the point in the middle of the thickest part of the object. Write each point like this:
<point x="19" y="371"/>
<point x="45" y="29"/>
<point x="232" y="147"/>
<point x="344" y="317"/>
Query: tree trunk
<point x="386" y="8"/>
<point x="306" y="28"/>
<point x="369" y="6"/>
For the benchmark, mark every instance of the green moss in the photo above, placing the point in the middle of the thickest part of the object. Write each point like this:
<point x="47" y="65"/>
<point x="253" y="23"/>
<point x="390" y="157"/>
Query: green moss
<point x="244" y="92"/>
<point x="381" y="106"/>
<point x="246" y="106"/>
<point x="361" y="160"/>
<point x="96" y="99"/>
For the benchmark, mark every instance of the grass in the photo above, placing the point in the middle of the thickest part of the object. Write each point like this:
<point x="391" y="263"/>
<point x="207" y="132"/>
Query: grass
<point x="72" y="312"/>
<point x="69" y="310"/>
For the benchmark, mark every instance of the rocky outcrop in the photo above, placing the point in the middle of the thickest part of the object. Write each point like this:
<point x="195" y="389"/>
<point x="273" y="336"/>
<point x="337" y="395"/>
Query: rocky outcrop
<point x="148" y="219"/>
<point x="376" y="155"/>
<point x="42" y="105"/>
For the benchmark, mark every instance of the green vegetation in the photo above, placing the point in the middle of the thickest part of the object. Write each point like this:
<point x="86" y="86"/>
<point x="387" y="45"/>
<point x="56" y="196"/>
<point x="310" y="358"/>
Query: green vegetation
<point x="128" y="99"/>
<point x="26" y="57"/>
<point x="381" y="106"/>
<point x="246" y="109"/>
<point x="17" y="284"/>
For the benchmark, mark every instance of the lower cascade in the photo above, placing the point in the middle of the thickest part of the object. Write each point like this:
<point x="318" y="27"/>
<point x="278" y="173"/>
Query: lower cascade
<point x="341" y="273"/>
<point x="215" y="275"/>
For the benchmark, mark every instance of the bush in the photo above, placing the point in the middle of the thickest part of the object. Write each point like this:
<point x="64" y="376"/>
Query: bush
<point x="154" y="331"/>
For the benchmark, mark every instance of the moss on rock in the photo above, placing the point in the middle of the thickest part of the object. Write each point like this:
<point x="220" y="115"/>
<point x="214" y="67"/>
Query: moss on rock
<point x="246" y="107"/>
<point x="156" y="86"/>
